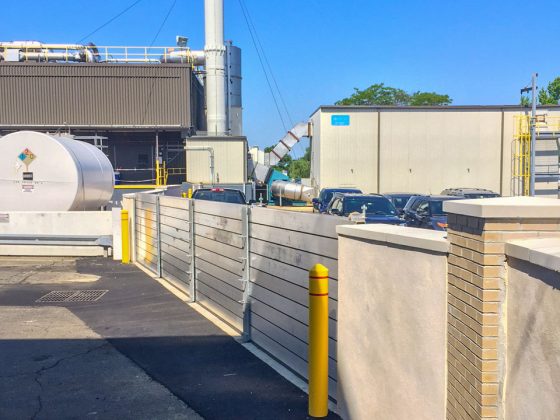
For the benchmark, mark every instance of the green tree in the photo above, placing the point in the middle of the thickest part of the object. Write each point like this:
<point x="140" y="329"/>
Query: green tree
<point x="550" y="95"/>
<point x="429" y="98"/>
<point x="299" y="168"/>
<point x="379" y="94"/>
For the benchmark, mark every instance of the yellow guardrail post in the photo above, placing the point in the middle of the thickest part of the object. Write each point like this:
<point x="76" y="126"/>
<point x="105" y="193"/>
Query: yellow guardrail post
<point x="318" y="341"/>
<point x="125" y="237"/>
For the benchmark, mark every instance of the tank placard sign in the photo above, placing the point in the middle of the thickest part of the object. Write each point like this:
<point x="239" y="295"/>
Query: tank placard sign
<point x="340" y="120"/>
<point x="27" y="157"/>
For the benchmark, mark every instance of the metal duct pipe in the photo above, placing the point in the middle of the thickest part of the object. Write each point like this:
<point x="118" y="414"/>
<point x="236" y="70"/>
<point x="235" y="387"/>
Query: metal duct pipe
<point x="205" y="149"/>
<point x="196" y="58"/>
<point x="292" y="191"/>
<point x="215" y="51"/>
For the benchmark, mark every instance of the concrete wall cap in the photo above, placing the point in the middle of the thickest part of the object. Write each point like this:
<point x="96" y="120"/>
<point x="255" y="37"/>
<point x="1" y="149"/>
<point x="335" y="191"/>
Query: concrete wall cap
<point x="422" y="239"/>
<point x="505" y="207"/>
<point x="544" y="252"/>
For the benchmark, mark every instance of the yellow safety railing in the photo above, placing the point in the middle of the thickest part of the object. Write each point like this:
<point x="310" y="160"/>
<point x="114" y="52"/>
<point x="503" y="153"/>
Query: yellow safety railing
<point x="521" y="150"/>
<point x="521" y="147"/>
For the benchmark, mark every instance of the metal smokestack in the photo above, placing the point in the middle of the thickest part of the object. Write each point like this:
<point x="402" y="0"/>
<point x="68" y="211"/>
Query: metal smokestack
<point x="215" y="52"/>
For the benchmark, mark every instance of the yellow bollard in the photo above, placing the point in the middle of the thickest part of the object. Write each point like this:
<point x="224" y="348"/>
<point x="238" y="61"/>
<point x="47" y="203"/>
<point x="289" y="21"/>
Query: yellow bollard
<point x="318" y="341"/>
<point x="183" y="195"/>
<point x="125" y="237"/>
<point x="189" y="193"/>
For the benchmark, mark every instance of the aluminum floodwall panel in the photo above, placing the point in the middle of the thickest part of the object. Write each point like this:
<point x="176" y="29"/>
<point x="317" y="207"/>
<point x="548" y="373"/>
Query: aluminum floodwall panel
<point x="146" y="231"/>
<point x="247" y="265"/>
<point x="175" y="241"/>
<point x="94" y="95"/>
<point x="219" y="253"/>
<point x="283" y="247"/>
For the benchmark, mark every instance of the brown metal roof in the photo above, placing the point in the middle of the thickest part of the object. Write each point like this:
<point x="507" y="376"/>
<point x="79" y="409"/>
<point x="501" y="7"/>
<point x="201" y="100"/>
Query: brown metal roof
<point x="94" y="95"/>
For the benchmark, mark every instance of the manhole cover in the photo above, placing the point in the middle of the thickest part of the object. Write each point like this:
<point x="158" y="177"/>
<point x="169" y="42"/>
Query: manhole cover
<point x="72" y="296"/>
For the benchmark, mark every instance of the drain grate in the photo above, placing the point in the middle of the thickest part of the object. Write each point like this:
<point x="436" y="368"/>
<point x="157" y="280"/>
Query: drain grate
<point x="72" y="296"/>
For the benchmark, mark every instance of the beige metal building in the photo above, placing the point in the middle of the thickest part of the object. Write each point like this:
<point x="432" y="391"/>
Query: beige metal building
<point x="427" y="149"/>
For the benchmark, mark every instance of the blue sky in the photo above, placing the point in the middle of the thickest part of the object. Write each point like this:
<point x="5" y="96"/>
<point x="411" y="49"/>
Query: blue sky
<point x="478" y="52"/>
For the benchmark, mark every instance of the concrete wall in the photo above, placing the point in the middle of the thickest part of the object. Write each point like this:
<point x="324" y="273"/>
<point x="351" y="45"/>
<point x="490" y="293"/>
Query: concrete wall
<point x="391" y="323"/>
<point x="533" y="336"/>
<point x="423" y="150"/>
<point x="230" y="160"/>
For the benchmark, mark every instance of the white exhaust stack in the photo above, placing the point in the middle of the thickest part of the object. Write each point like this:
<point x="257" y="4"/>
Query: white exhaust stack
<point x="215" y="52"/>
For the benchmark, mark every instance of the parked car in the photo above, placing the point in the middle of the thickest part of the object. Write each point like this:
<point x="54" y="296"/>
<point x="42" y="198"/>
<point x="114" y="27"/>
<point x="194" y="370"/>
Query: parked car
<point x="399" y="200"/>
<point x="223" y="195"/>
<point x="470" y="193"/>
<point x="426" y="211"/>
<point x="377" y="208"/>
<point x="325" y="196"/>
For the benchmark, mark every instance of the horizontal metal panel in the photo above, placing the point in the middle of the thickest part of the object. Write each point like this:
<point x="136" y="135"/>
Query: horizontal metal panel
<point x="169" y="271"/>
<point x="218" y="222"/>
<point x="288" y="358"/>
<point x="174" y="252"/>
<point x="289" y="307"/>
<point x="143" y="198"/>
<point x="219" y="235"/>
<point x="311" y="243"/>
<point x="313" y="223"/>
<point x="214" y="270"/>
<point x="286" y="289"/>
<point x="287" y="323"/>
<point x="232" y="266"/>
<point x="178" y="283"/>
<point x="232" y="211"/>
<point x="219" y="305"/>
<point x="143" y="229"/>
<point x="179" y="263"/>
<point x="298" y="258"/>
<point x="144" y="248"/>
<point x="233" y="294"/>
<point x="95" y="95"/>
<point x="288" y="341"/>
<point x="179" y="244"/>
<point x="175" y="223"/>
<point x="287" y="272"/>
<point x="175" y="233"/>
<point x="219" y="248"/>
<point x="174" y="202"/>
<point x="146" y="234"/>
<point x="180" y="214"/>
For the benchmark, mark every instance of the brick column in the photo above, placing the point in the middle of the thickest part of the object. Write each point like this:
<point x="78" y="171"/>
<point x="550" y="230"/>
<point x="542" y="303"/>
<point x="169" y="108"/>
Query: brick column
<point x="477" y="286"/>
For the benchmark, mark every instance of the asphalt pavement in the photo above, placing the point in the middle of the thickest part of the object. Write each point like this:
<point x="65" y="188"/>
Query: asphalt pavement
<point x="135" y="352"/>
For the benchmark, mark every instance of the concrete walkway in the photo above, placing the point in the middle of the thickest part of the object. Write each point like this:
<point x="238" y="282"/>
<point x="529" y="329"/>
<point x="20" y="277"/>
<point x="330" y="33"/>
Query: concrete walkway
<point x="137" y="352"/>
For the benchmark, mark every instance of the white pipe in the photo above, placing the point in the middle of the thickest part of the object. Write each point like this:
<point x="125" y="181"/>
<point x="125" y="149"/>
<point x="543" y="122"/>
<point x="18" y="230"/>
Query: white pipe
<point x="215" y="51"/>
<point x="205" y="149"/>
<point x="197" y="58"/>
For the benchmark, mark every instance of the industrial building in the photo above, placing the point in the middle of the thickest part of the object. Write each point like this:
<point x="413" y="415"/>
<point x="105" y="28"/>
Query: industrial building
<point x="428" y="149"/>
<point x="137" y="104"/>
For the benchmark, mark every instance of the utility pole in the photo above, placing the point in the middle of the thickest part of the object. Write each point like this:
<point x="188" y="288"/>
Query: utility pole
<point x="533" y="131"/>
<point x="533" y="122"/>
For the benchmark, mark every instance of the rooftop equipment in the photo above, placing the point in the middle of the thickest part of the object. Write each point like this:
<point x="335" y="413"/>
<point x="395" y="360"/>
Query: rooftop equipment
<point x="42" y="172"/>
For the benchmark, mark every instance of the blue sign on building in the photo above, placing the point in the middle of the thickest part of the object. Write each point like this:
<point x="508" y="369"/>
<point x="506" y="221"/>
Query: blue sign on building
<point x="340" y="119"/>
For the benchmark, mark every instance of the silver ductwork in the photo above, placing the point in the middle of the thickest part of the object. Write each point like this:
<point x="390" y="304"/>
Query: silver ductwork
<point x="196" y="58"/>
<point x="292" y="191"/>
<point x="37" y="51"/>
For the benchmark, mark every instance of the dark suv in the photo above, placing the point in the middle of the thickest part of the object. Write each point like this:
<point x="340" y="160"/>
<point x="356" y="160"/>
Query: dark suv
<point x="426" y="211"/>
<point x="399" y="200"/>
<point x="470" y="193"/>
<point x="377" y="208"/>
<point x="223" y="195"/>
<point x="325" y="196"/>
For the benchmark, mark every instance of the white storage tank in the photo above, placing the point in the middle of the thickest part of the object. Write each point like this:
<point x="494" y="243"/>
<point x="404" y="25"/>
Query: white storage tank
<point x="43" y="172"/>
